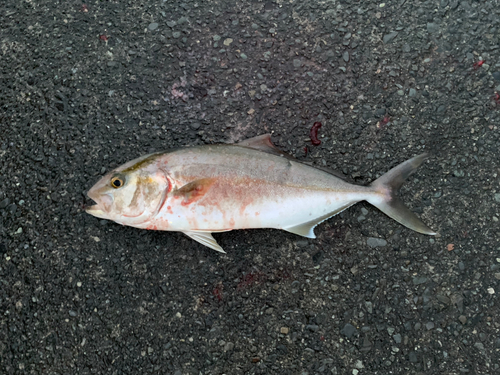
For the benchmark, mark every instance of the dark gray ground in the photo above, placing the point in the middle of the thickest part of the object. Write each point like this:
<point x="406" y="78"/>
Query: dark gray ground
<point x="83" y="296"/>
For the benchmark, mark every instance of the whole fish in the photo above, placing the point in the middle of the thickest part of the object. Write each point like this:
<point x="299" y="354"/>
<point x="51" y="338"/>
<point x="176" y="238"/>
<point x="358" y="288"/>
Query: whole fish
<point x="251" y="184"/>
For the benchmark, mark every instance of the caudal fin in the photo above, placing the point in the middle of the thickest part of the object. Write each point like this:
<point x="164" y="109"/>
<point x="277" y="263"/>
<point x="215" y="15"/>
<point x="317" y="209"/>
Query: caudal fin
<point x="391" y="204"/>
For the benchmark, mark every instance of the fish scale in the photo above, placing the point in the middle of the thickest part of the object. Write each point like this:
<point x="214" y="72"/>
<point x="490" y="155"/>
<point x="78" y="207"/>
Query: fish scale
<point x="251" y="184"/>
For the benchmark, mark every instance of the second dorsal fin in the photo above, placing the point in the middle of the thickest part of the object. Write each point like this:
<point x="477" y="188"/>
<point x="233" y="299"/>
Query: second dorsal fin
<point x="263" y="143"/>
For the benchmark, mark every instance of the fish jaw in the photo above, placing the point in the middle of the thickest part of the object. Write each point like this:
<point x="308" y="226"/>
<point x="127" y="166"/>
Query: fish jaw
<point x="96" y="211"/>
<point x="103" y="203"/>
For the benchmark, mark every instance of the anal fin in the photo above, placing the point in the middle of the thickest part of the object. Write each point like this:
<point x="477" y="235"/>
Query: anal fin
<point x="307" y="229"/>
<point x="205" y="238"/>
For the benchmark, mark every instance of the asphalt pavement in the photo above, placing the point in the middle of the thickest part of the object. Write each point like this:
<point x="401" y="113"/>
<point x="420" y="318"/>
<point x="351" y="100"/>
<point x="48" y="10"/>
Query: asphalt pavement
<point x="85" y="87"/>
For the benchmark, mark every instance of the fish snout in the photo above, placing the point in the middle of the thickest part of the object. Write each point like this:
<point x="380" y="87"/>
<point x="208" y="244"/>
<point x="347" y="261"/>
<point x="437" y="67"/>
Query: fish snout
<point x="104" y="203"/>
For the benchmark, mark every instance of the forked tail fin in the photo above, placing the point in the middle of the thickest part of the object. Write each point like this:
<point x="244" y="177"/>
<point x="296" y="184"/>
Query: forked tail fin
<point x="389" y="202"/>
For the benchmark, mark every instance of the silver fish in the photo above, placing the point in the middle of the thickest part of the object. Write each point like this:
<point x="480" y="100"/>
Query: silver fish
<point x="251" y="184"/>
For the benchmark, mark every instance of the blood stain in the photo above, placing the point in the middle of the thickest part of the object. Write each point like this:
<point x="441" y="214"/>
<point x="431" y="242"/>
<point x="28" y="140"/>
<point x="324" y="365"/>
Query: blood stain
<point x="217" y="292"/>
<point x="496" y="98"/>
<point x="250" y="279"/>
<point x="383" y="122"/>
<point x="478" y="64"/>
<point x="313" y="134"/>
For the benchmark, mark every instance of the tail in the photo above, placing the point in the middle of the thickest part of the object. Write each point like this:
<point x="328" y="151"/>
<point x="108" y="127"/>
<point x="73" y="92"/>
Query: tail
<point x="391" y="204"/>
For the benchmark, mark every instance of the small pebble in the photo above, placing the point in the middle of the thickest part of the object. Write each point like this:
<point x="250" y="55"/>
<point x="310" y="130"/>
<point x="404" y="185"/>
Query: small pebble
<point x="417" y="280"/>
<point x="432" y="27"/>
<point x="312" y="327"/>
<point x="376" y="242"/>
<point x="153" y="26"/>
<point x="413" y="357"/>
<point x="349" y="330"/>
<point x="6" y="202"/>
<point x="389" y="37"/>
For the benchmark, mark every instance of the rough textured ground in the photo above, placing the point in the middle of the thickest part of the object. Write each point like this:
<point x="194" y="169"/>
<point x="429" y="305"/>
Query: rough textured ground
<point x="86" y="87"/>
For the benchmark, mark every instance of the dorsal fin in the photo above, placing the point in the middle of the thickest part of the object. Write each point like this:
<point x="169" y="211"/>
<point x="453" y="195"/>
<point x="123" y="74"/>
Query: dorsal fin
<point x="263" y="143"/>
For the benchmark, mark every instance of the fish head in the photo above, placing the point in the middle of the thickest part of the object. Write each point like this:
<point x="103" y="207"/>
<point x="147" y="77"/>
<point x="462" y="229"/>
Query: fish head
<point x="131" y="194"/>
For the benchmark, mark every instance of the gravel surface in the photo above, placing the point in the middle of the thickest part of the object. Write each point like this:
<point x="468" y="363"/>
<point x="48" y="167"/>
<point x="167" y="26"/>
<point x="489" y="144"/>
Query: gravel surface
<point x="86" y="87"/>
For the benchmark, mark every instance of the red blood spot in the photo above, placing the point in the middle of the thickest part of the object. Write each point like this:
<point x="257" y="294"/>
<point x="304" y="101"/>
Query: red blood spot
<point x="313" y="134"/>
<point x="322" y="338"/>
<point x="217" y="292"/>
<point x="84" y="8"/>
<point x="382" y="123"/>
<point x="250" y="279"/>
<point x="306" y="150"/>
<point x="478" y="64"/>
<point x="103" y="37"/>
<point x="496" y="98"/>
<point x="169" y="210"/>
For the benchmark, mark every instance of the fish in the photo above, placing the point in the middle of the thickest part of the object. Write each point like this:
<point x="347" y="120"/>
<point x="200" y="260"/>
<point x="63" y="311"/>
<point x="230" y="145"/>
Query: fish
<point x="251" y="184"/>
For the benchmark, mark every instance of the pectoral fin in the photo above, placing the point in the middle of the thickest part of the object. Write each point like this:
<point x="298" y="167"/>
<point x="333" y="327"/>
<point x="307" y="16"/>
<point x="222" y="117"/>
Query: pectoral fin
<point x="307" y="229"/>
<point x="205" y="238"/>
<point x="194" y="190"/>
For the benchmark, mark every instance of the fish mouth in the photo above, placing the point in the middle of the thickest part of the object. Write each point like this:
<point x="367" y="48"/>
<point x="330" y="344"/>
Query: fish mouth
<point x="101" y="207"/>
<point x="95" y="210"/>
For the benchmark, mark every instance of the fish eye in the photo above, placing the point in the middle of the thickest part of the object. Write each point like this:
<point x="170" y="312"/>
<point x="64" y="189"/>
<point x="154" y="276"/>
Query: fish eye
<point x="116" y="182"/>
